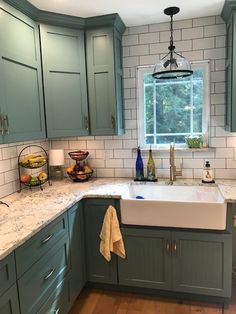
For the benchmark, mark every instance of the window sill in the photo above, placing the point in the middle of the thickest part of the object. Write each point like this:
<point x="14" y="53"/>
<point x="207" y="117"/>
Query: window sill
<point x="157" y="150"/>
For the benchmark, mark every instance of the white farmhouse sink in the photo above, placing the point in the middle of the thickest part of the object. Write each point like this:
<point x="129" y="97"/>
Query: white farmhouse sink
<point x="200" y="207"/>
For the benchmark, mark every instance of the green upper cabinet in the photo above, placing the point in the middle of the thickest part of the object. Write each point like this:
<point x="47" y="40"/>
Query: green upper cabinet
<point x="21" y="96"/>
<point x="63" y="57"/>
<point x="229" y="16"/>
<point x="104" y="72"/>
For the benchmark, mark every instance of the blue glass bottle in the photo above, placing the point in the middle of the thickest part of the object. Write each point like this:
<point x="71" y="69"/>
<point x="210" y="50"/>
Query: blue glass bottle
<point x="139" y="166"/>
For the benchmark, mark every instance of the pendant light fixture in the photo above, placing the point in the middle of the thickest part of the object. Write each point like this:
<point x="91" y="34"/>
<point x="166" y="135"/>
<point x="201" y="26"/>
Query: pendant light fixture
<point x="173" y="65"/>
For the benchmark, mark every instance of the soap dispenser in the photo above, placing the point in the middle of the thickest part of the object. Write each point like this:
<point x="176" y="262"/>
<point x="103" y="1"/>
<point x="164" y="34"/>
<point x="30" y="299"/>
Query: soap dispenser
<point x="207" y="173"/>
<point x="139" y="166"/>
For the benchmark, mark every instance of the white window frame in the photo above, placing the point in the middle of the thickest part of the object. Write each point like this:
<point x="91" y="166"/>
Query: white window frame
<point x="141" y="70"/>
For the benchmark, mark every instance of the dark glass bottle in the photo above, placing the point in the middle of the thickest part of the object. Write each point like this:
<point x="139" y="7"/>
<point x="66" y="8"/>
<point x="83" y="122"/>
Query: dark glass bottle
<point x="151" y="176"/>
<point x="139" y="166"/>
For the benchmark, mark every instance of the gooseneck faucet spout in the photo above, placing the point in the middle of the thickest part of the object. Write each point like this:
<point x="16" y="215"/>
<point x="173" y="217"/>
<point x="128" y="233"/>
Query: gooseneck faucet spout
<point x="173" y="172"/>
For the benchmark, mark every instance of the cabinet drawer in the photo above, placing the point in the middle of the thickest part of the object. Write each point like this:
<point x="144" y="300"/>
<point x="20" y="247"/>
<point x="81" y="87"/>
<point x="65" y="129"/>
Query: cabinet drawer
<point x="7" y="272"/>
<point x="42" y="278"/>
<point x="39" y="244"/>
<point x="58" y="302"/>
<point x="9" y="301"/>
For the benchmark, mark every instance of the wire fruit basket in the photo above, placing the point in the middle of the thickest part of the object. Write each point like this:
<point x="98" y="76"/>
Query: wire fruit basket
<point x="79" y="172"/>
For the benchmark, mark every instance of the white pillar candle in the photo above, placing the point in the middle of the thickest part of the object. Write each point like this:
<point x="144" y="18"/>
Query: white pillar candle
<point x="56" y="157"/>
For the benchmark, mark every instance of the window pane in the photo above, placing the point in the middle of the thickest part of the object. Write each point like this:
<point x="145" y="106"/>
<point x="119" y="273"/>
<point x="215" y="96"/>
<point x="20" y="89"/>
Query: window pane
<point x="149" y="139"/>
<point x="197" y="100"/>
<point x="172" y="107"/>
<point x="149" y="105"/>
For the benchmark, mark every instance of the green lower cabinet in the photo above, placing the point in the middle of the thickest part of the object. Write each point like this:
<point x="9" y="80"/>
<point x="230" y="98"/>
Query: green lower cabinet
<point x="77" y="272"/>
<point x="97" y="268"/>
<point x="59" y="300"/>
<point x="202" y="263"/>
<point x="9" y="301"/>
<point x="188" y="262"/>
<point x="147" y="262"/>
<point x="42" y="279"/>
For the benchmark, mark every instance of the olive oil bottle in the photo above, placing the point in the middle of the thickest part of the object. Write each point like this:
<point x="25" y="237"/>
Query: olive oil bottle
<point x="151" y="172"/>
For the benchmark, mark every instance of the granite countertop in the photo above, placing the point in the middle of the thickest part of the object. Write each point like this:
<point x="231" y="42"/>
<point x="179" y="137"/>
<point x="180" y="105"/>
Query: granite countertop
<point x="30" y="211"/>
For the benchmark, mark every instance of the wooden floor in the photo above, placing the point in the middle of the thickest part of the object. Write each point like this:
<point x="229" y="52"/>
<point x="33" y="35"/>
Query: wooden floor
<point x="94" y="301"/>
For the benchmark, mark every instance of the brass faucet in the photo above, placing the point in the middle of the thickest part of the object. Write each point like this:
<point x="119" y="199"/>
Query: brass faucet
<point x="173" y="172"/>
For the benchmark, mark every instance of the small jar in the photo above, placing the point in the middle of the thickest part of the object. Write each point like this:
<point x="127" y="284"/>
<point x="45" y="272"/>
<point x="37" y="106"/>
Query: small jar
<point x="207" y="176"/>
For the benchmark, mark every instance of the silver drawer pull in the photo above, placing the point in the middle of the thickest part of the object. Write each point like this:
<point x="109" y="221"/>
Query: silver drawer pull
<point x="57" y="310"/>
<point x="50" y="273"/>
<point x="46" y="239"/>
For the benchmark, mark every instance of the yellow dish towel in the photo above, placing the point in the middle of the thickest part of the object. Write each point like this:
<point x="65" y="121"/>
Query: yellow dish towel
<point x="111" y="238"/>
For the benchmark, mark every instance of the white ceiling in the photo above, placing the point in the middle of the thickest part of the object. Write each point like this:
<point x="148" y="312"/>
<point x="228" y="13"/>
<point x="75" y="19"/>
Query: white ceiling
<point x="133" y="12"/>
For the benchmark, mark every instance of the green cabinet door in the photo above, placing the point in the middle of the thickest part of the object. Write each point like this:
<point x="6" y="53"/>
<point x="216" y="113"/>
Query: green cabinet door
<point x="229" y="16"/>
<point x="9" y="301"/>
<point x="202" y="263"/>
<point x="21" y="96"/>
<point x="148" y="259"/>
<point x="104" y="72"/>
<point x="77" y="272"/>
<point x="97" y="268"/>
<point x="63" y="56"/>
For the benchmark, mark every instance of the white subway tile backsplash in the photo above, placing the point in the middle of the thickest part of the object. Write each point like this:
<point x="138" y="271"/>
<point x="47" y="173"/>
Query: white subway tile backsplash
<point x="225" y="173"/>
<point x="165" y="36"/>
<point x="76" y="145"/>
<point x="158" y="48"/>
<point x="159" y="27"/>
<point x="9" y="152"/>
<point x="202" y="21"/>
<point x="11" y="176"/>
<point x="216" y="53"/>
<point x="214" y="30"/>
<point x="130" y="144"/>
<point x="218" y="142"/>
<point x="113" y="144"/>
<point x="130" y="40"/>
<point x="231" y="141"/>
<point x="219" y="109"/>
<point x="151" y="59"/>
<point x="220" y="88"/>
<point x="98" y="144"/>
<point x="139" y="50"/>
<point x="203" y="43"/>
<point x="224" y="152"/>
<point x="181" y="24"/>
<point x="114" y="163"/>
<point x="105" y="173"/>
<point x="130" y="61"/>
<point x="220" y="41"/>
<point x="191" y="33"/>
<point x="192" y="163"/>
<point x="194" y="55"/>
<point x="149" y="38"/>
<point x="124" y="173"/>
<point x="231" y="163"/>
<point x="138" y="29"/>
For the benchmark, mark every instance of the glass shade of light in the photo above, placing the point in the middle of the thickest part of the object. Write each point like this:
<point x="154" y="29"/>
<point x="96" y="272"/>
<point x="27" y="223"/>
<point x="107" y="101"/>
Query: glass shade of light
<point x="172" y="68"/>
